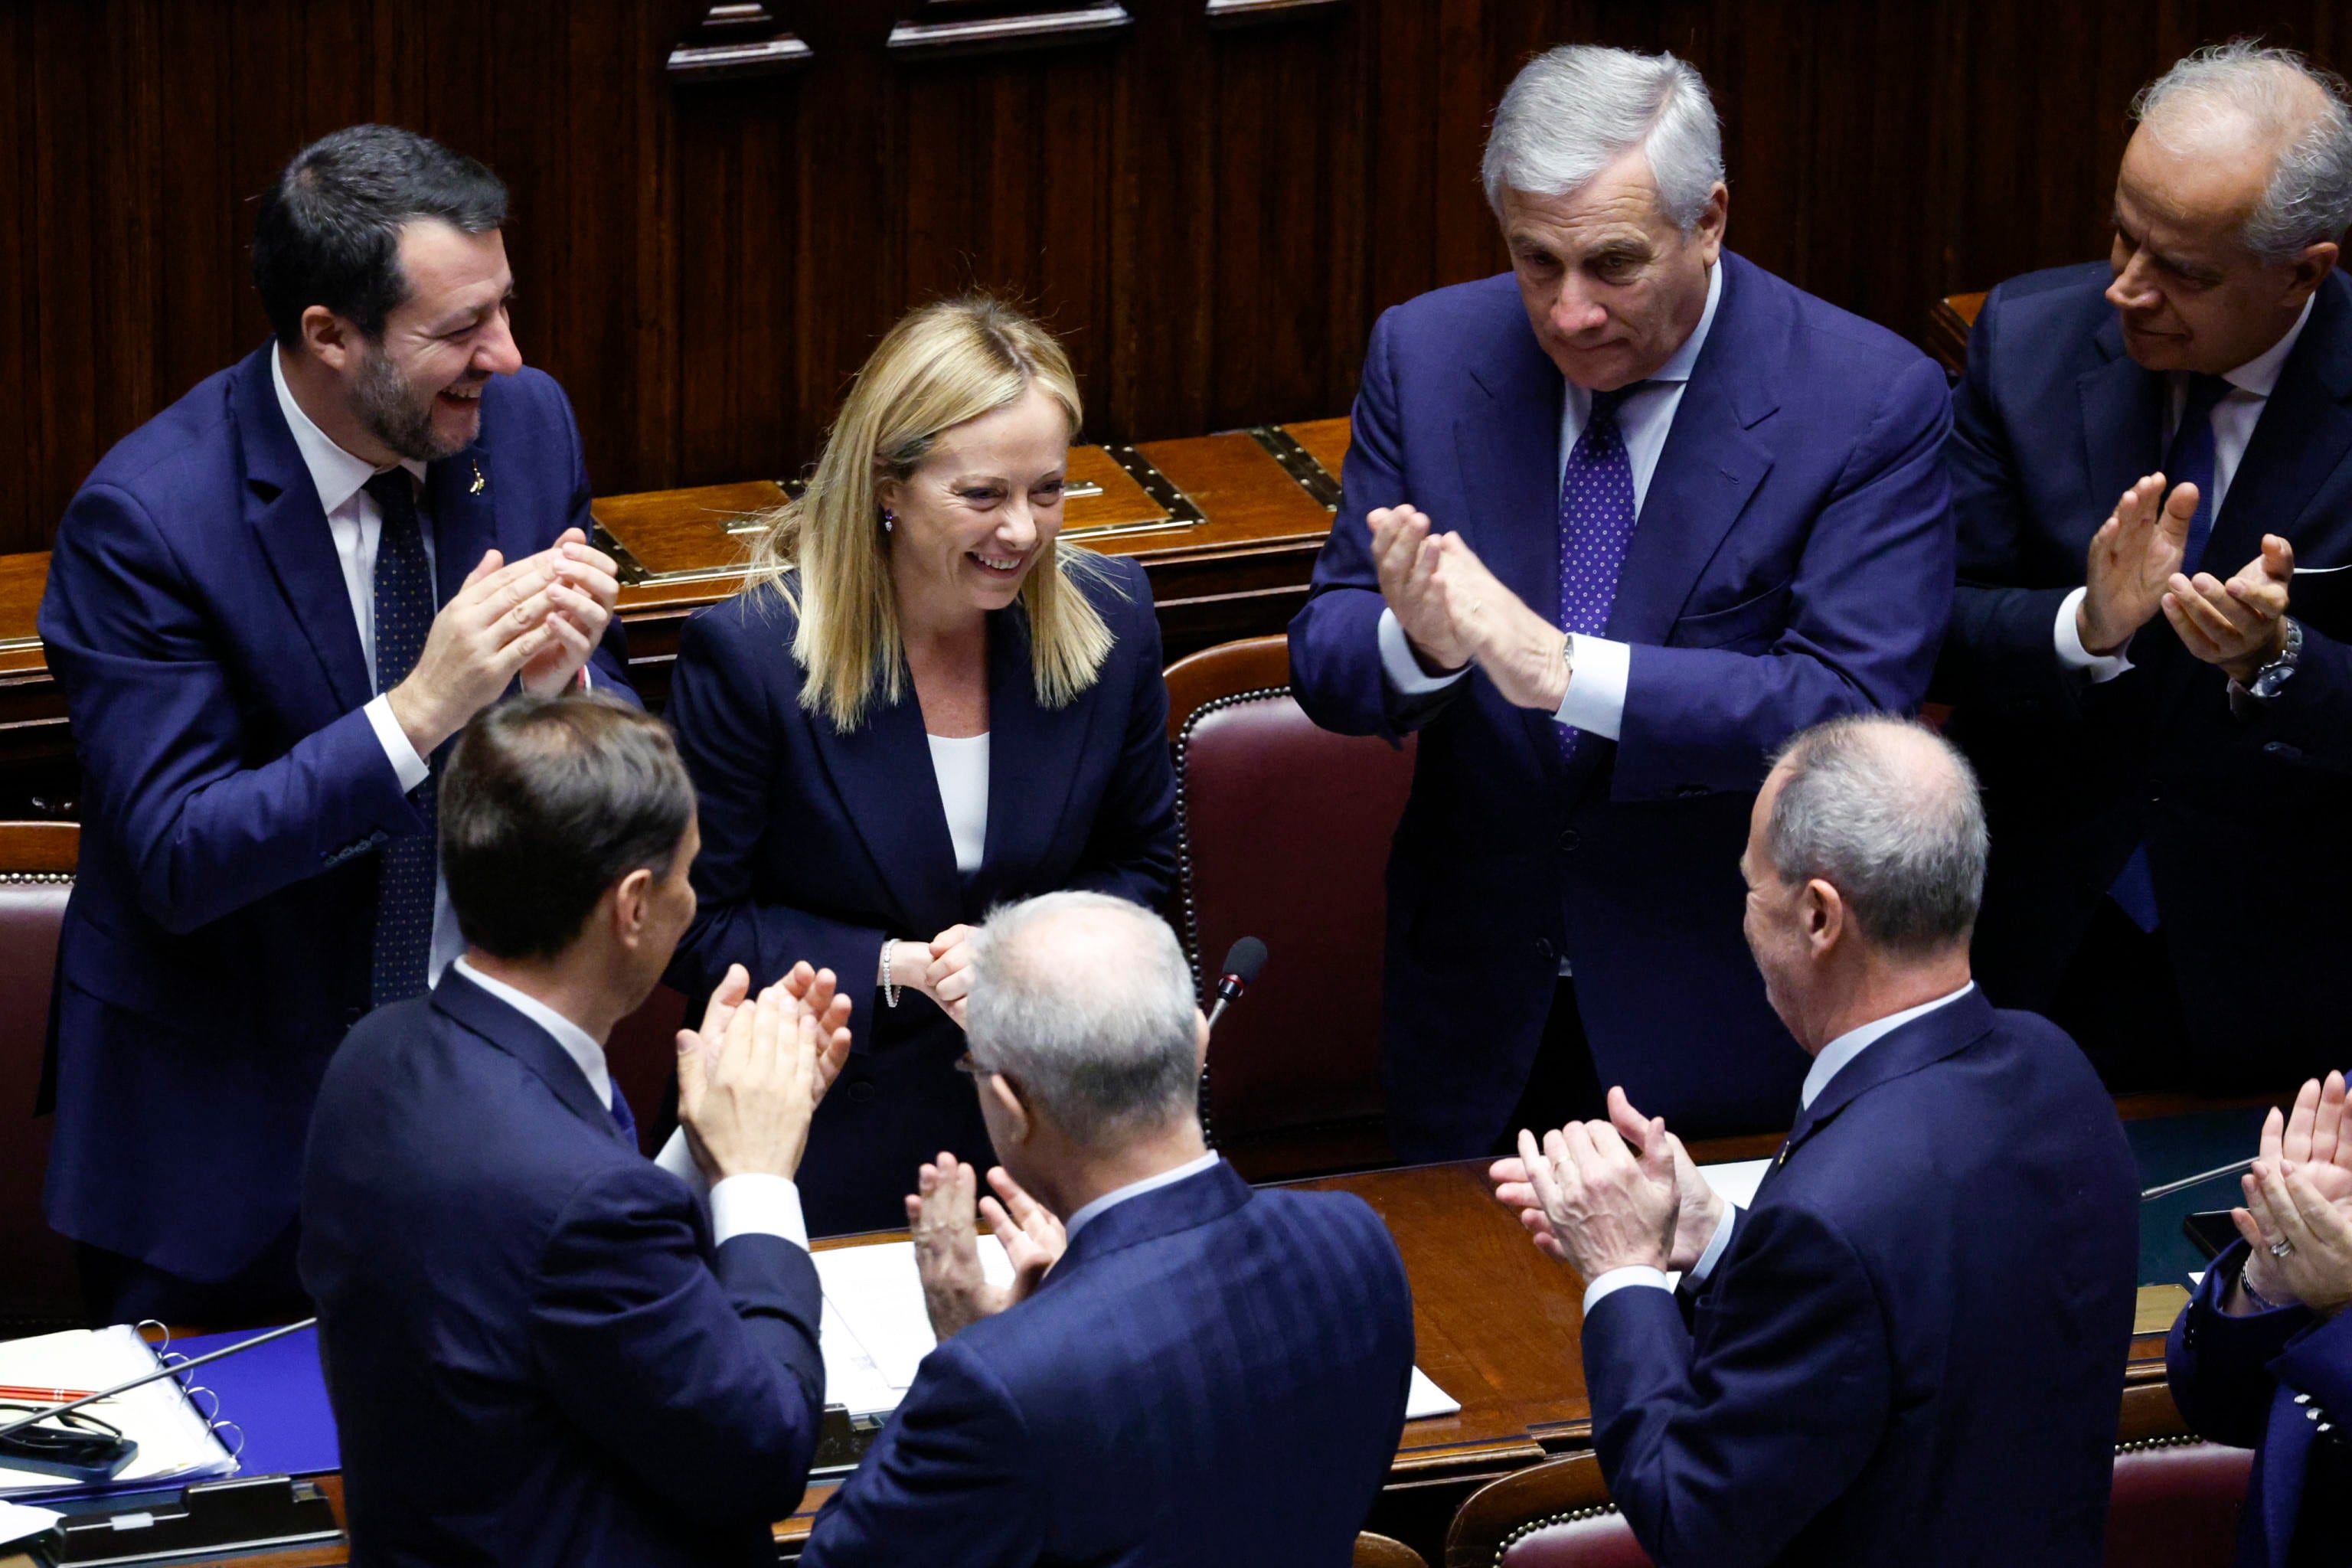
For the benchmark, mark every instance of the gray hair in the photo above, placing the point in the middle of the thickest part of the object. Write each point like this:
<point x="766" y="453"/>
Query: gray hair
<point x="1885" y="811"/>
<point x="2309" y="198"/>
<point x="1572" y="111"/>
<point x="1087" y="1003"/>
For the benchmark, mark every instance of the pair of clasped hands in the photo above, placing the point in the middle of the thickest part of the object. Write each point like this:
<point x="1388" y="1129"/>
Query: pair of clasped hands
<point x="539" y="618"/>
<point x="1454" y="612"/>
<point x="1620" y="1193"/>
<point x="750" y="1079"/>
<point x="2134" y="574"/>
<point x="2297" y="1218"/>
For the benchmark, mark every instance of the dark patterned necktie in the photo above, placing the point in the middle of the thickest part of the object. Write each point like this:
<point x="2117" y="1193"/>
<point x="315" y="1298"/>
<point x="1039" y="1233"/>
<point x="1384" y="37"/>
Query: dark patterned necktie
<point x="623" y="1119"/>
<point x="1596" y="523"/>
<point x="2189" y="461"/>
<point x="410" y="865"/>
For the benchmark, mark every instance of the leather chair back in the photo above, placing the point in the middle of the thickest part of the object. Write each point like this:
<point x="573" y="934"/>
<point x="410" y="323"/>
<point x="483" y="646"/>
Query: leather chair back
<point x="2176" y="1504"/>
<point x="37" y="1288"/>
<point x="1553" y="1515"/>
<point x="1384" y="1552"/>
<point x="1284" y="836"/>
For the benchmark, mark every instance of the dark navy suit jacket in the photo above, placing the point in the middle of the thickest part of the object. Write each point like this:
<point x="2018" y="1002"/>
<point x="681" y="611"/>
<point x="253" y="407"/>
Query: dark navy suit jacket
<point x="1913" y="1349"/>
<point x="2269" y="1383"/>
<point x="818" y="845"/>
<point x="1793" y="562"/>
<point x="534" y="1352"/>
<point x="219" y="939"/>
<point x="1208" y="1376"/>
<point x="2051" y="423"/>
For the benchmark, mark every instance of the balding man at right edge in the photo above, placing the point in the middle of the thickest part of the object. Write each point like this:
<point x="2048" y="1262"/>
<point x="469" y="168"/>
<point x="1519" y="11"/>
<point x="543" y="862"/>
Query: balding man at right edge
<point x="2149" y="456"/>
<point x="1911" y="1349"/>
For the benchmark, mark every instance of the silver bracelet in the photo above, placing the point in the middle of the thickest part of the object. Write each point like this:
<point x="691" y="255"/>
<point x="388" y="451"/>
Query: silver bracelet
<point x="889" y="990"/>
<point x="2253" y="1295"/>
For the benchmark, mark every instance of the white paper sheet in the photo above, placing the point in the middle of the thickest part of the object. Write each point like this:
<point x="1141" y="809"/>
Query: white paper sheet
<point x="175" y="1444"/>
<point x="874" y="1315"/>
<point x="1426" y="1399"/>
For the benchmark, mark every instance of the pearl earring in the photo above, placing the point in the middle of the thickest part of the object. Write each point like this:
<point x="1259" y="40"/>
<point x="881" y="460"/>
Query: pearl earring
<point x="888" y="518"/>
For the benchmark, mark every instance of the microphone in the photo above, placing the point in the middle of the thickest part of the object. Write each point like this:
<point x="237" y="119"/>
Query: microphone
<point x="1242" y="962"/>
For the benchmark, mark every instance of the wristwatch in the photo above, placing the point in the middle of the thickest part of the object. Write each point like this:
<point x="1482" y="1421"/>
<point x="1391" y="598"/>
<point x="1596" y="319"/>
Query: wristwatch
<point x="2272" y="678"/>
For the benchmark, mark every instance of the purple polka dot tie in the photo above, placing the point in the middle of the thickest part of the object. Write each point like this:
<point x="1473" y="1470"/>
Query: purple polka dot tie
<point x="1596" y="520"/>
<point x="410" y="867"/>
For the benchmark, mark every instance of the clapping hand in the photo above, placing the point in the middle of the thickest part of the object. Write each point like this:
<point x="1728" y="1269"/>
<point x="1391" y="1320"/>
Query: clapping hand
<point x="1406" y="555"/>
<point x="1590" y="1202"/>
<point x="2306" y="1238"/>
<point x="2241" y="625"/>
<point x="583" y="587"/>
<point x="2314" y="1144"/>
<point x="2133" y="558"/>
<point x="746" y="1107"/>
<point x="956" y="1291"/>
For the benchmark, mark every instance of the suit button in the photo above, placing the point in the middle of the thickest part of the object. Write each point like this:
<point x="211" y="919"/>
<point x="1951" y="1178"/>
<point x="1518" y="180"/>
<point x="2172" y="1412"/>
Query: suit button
<point x="1543" y="949"/>
<point x="862" y="1091"/>
<point x="1567" y="838"/>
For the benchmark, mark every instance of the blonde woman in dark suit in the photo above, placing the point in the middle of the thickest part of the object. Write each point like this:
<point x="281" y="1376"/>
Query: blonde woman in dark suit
<point x="924" y="704"/>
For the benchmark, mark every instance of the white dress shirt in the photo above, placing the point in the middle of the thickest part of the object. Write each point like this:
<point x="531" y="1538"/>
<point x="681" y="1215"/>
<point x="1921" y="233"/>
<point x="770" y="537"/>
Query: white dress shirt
<point x="960" y="765"/>
<point x="357" y="524"/>
<point x="741" y="1205"/>
<point x="1088" y="1212"/>
<point x="1834" y="1058"/>
<point x="2234" y="418"/>
<point x="1596" y="690"/>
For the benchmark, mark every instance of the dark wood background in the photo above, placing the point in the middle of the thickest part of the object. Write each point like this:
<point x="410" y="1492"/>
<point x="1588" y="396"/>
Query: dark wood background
<point x="1211" y="214"/>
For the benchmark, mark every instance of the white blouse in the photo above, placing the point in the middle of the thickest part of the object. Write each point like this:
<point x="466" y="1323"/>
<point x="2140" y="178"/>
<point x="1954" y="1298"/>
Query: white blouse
<point x="961" y="767"/>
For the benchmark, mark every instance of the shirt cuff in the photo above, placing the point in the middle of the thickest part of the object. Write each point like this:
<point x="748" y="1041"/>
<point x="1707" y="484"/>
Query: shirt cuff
<point x="1598" y="672"/>
<point x="1715" y="1248"/>
<point x="2100" y="667"/>
<point x="757" y="1205"/>
<point x="1405" y="676"/>
<point x="412" y="769"/>
<point x="1616" y="1280"/>
<point x="677" y="1159"/>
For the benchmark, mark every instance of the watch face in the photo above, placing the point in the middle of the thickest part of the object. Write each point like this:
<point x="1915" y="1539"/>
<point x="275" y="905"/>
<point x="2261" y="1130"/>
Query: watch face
<point x="2271" y="681"/>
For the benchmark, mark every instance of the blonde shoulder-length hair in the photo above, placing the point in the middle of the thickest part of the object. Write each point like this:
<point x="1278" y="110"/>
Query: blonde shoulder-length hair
<point x="827" y="555"/>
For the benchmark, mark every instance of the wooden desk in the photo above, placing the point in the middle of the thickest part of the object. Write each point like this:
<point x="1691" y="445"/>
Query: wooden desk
<point x="1226" y="527"/>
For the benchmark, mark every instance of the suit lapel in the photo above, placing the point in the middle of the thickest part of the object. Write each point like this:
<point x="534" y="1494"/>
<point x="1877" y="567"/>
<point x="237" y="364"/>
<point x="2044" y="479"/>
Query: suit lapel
<point x="1032" y="756"/>
<point x="465" y="516"/>
<point x="882" y="772"/>
<point x="2123" y="418"/>
<point x="290" y="529"/>
<point x="2301" y="438"/>
<point x="1920" y="1043"/>
<point x="1509" y="452"/>
<point x="1181" y="1205"/>
<point x="1710" y="465"/>
<point x="468" y="1005"/>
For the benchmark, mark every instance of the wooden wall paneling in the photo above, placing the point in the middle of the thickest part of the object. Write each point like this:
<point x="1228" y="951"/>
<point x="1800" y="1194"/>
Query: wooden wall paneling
<point x="1162" y="239"/>
<point x="20" y="441"/>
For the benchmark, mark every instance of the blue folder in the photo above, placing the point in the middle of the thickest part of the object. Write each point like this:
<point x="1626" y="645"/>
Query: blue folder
<point x="277" y="1394"/>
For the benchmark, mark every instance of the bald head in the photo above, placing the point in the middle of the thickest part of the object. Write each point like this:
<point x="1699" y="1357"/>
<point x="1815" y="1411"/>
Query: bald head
<point x="1885" y="811"/>
<point x="1087" y="1003"/>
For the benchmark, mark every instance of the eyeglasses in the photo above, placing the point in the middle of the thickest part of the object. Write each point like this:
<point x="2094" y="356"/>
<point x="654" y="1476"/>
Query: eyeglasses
<point x="970" y="1066"/>
<point x="71" y="1443"/>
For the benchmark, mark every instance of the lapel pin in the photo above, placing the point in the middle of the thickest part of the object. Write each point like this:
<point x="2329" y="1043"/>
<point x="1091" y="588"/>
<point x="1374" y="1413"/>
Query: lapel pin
<point x="479" y="484"/>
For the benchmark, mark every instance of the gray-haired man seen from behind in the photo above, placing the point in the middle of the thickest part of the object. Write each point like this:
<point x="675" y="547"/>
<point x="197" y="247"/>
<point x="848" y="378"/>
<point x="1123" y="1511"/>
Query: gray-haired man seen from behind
<point x="1171" y="1335"/>
<point x="2149" y="454"/>
<point x="1949" y="1239"/>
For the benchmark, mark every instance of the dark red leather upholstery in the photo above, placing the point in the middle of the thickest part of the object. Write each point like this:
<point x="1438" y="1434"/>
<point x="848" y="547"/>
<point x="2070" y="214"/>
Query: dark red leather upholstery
<point x="1286" y="832"/>
<point x="37" y="1265"/>
<point x="2176" y="1505"/>
<point x="1602" y="1540"/>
